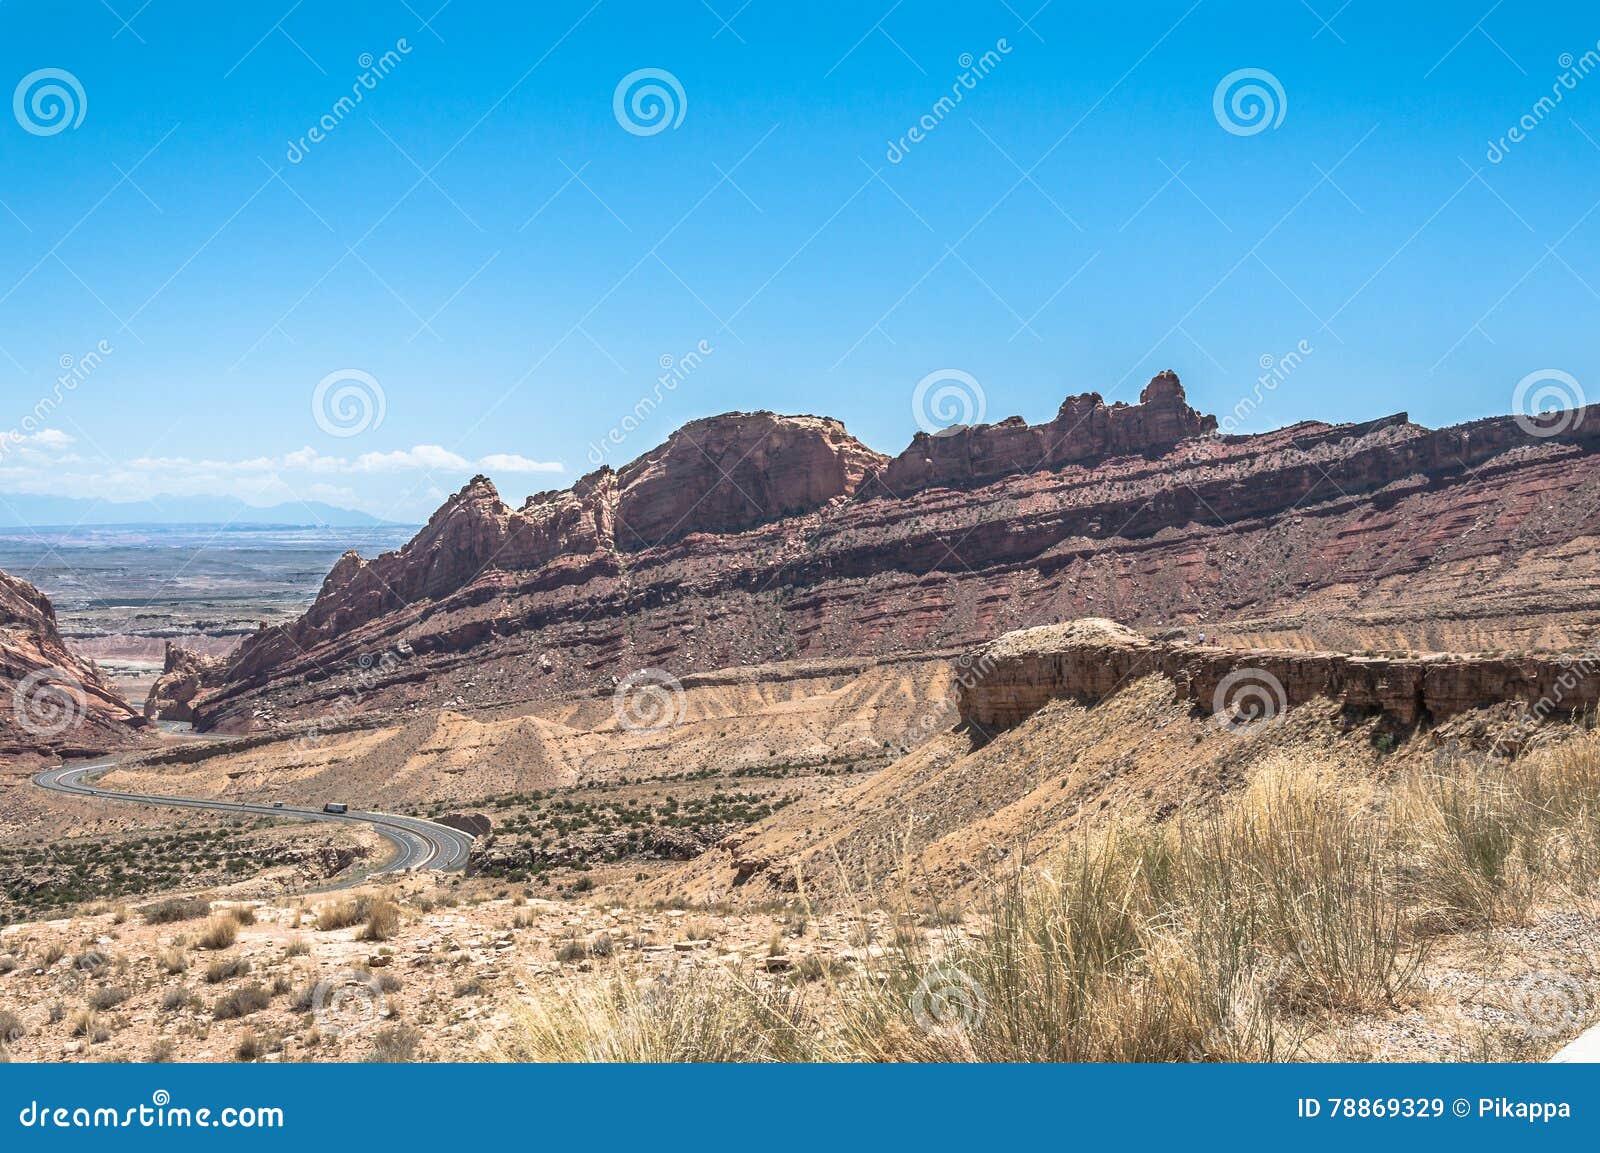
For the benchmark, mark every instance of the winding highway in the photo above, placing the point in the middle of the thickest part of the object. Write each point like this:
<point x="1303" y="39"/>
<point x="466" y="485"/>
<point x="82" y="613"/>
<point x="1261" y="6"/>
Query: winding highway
<point x="418" y="844"/>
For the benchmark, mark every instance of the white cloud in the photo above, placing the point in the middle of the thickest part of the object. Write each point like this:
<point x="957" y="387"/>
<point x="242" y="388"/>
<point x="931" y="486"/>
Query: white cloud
<point x="51" y="438"/>
<point x="511" y="462"/>
<point x="406" y="482"/>
<point x="422" y="456"/>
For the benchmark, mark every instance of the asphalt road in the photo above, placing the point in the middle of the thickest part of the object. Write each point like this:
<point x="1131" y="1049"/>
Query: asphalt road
<point x="418" y="844"/>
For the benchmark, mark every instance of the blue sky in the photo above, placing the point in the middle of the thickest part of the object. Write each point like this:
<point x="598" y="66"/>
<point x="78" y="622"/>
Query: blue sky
<point x="508" y="265"/>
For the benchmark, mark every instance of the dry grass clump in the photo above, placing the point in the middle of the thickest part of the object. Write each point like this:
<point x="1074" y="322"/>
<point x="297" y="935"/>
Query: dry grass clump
<point x="343" y="914"/>
<point x="383" y="921"/>
<point x="1219" y="936"/>
<point x="11" y="1027"/>
<point x="396" y="1044"/>
<point x="219" y="933"/>
<point x="172" y="961"/>
<point x="1486" y="841"/>
<point x="692" y="1015"/>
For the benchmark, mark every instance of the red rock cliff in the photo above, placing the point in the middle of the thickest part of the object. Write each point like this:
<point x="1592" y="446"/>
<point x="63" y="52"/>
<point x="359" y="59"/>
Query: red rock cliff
<point x="51" y="703"/>
<point x="748" y="538"/>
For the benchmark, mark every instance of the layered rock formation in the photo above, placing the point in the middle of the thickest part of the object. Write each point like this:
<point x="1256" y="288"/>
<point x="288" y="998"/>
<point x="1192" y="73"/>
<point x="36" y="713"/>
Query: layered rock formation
<point x="1001" y="684"/>
<point x="51" y="703"/>
<point x="753" y="537"/>
<point x="1085" y="429"/>
<point x="182" y="674"/>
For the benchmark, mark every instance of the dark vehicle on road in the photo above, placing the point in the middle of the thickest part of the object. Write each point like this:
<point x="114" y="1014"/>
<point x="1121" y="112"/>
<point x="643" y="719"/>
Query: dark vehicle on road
<point x="335" y="807"/>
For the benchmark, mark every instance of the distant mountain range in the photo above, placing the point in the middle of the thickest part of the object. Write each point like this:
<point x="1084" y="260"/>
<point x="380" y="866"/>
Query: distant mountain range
<point x="27" y="510"/>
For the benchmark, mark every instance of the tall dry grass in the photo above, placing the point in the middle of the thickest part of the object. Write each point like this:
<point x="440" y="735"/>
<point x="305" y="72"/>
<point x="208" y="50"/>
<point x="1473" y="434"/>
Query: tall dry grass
<point x="1219" y="936"/>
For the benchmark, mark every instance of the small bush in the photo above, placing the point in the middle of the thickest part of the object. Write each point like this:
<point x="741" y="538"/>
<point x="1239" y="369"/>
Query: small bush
<point x="395" y="1044"/>
<point x="11" y="1028"/>
<point x="303" y="998"/>
<point x="225" y="969"/>
<point x="107" y="997"/>
<point x="249" y="1047"/>
<point x="296" y="948"/>
<point x="174" y="999"/>
<point x="175" y="909"/>
<point x="172" y="961"/>
<point x="241" y="1003"/>
<point x="160" y="1053"/>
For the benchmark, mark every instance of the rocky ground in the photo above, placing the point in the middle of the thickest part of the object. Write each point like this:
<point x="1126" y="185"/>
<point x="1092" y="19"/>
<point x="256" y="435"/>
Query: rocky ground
<point x="444" y="971"/>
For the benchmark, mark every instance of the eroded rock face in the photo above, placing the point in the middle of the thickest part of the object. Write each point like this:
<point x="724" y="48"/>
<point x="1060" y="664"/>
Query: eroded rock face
<point x="1145" y="515"/>
<point x="51" y="703"/>
<point x="1085" y="429"/>
<point x="1001" y="684"/>
<point x="729" y="473"/>
<point x="183" y="676"/>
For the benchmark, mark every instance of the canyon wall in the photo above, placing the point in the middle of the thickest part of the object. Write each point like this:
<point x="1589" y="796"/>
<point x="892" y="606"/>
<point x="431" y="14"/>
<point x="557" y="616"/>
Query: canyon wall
<point x="754" y="537"/>
<point x="52" y="704"/>
<point x="1001" y="684"/>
